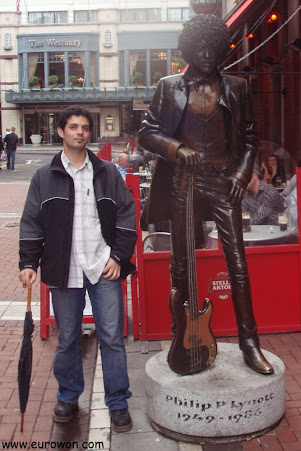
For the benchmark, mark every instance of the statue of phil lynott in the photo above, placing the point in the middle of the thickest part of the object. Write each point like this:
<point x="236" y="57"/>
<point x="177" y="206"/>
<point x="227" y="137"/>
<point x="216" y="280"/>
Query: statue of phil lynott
<point x="200" y="123"/>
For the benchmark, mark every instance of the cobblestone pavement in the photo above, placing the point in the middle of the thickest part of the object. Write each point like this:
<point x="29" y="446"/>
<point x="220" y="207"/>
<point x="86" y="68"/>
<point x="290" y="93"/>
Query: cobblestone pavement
<point x="92" y="425"/>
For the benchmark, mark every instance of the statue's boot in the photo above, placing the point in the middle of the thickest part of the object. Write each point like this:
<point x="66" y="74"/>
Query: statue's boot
<point x="247" y="330"/>
<point x="254" y="358"/>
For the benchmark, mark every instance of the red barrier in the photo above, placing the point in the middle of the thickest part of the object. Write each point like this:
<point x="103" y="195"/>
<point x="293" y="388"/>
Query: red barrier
<point x="105" y="153"/>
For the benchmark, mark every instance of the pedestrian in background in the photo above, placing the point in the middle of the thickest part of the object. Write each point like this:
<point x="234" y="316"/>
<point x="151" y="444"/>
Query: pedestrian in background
<point x="2" y="153"/>
<point x="11" y="140"/>
<point x="121" y="164"/>
<point x="79" y="224"/>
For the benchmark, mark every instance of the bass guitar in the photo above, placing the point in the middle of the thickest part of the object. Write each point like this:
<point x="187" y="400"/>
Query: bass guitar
<point x="193" y="347"/>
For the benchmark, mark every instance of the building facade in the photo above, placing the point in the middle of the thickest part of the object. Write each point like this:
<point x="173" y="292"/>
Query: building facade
<point x="107" y="57"/>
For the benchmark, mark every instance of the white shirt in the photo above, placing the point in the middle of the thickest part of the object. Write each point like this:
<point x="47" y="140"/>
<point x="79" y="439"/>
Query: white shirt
<point x="89" y="250"/>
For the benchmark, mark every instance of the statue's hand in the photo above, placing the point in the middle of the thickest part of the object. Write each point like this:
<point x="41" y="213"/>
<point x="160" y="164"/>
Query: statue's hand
<point x="191" y="158"/>
<point x="237" y="192"/>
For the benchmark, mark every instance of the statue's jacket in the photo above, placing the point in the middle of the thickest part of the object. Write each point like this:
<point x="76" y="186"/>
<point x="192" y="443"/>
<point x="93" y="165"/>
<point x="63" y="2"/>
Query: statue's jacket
<point x="160" y="125"/>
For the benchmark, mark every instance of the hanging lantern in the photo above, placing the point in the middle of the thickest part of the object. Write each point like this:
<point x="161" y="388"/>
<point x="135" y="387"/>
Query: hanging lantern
<point x="204" y="6"/>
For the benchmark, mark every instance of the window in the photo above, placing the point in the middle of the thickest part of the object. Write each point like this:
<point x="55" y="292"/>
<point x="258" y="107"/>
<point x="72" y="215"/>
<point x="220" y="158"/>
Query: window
<point x="109" y="123"/>
<point x="177" y="13"/>
<point x="158" y="61"/>
<point x="56" y="69"/>
<point x="108" y="39"/>
<point x="7" y="42"/>
<point x="48" y="17"/>
<point x="36" y="70"/>
<point x="140" y="15"/>
<point x="177" y="63"/>
<point x="138" y="68"/>
<point x="86" y="16"/>
<point x="77" y="68"/>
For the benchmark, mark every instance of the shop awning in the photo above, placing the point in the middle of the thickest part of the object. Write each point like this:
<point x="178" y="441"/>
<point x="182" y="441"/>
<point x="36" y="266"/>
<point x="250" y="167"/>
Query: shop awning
<point x="239" y="11"/>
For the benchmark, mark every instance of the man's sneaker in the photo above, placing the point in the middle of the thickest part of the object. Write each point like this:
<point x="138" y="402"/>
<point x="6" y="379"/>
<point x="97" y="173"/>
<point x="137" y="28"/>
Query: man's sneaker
<point x="63" y="411"/>
<point x="121" y="420"/>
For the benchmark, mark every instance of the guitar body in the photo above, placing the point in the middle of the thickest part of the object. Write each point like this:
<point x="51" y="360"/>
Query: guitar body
<point x="193" y="348"/>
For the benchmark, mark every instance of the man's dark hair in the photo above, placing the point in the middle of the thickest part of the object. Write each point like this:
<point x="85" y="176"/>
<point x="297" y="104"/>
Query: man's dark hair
<point x="74" y="110"/>
<point x="205" y="27"/>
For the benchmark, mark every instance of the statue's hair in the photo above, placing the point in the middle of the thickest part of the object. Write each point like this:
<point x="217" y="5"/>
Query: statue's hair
<point x="204" y="27"/>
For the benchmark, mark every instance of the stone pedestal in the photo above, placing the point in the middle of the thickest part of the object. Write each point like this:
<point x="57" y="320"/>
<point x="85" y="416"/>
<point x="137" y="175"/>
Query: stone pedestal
<point x="227" y="402"/>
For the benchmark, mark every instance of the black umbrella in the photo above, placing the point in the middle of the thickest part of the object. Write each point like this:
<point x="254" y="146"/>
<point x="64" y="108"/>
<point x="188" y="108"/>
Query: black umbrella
<point x="25" y="360"/>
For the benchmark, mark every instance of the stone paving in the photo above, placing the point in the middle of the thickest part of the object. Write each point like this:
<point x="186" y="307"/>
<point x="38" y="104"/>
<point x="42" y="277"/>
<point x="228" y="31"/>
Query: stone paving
<point x="92" y="423"/>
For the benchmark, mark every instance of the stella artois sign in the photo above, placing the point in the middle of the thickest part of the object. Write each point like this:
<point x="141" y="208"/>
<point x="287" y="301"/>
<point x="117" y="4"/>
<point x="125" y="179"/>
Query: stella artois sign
<point x="220" y="286"/>
<point x="204" y="6"/>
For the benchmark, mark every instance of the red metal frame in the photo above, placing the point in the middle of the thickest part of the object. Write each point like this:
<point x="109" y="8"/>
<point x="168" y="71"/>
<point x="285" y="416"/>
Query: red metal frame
<point x="47" y="320"/>
<point x="275" y="274"/>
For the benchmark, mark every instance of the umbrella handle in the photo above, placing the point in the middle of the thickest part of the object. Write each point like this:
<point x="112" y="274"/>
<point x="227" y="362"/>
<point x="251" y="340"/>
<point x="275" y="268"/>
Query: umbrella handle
<point x="28" y="297"/>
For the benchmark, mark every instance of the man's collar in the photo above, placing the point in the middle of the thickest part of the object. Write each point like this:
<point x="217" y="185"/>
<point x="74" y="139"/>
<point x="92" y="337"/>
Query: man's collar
<point x="66" y="162"/>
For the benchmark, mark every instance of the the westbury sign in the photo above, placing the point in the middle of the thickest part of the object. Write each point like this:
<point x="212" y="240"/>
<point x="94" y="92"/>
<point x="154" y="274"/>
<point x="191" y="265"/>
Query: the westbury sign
<point x="55" y="43"/>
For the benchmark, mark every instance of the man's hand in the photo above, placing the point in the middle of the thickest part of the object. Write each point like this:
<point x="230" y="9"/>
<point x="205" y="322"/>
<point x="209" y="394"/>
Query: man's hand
<point x="28" y="277"/>
<point x="111" y="270"/>
<point x="237" y="192"/>
<point x="191" y="158"/>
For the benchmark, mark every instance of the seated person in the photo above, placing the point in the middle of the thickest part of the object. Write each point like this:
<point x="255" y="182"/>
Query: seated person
<point x="122" y="162"/>
<point x="137" y="159"/>
<point x="263" y="202"/>
<point x="290" y="201"/>
<point x="273" y="172"/>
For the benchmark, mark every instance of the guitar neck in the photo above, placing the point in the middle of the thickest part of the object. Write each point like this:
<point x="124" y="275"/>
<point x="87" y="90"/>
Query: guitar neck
<point x="190" y="244"/>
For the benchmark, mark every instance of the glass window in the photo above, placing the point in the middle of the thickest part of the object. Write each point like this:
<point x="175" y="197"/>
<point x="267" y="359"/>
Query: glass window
<point x="93" y="57"/>
<point x="7" y="42"/>
<point x="48" y="17"/>
<point x="158" y="65"/>
<point x="140" y="15"/>
<point x="35" y="17"/>
<point x="138" y="68"/>
<point x="56" y="69"/>
<point x="177" y="63"/>
<point x="36" y="70"/>
<point x="108" y="39"/>
<point x="86" y="16"/>
<point x="77" y="68"/>
<point x="177" y="13"/>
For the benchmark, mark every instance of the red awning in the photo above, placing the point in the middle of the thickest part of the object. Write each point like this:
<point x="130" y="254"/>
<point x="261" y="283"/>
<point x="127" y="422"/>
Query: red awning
<point x="239" y="12"/>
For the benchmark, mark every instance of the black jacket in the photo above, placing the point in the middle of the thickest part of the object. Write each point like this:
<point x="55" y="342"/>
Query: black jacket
<point x="163" y="117"/>
<point x="11" y="141"/>
<point x="46" y="223"/>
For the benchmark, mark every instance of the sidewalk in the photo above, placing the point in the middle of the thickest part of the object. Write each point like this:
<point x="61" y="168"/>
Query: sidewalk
<point x="92" y="424"/>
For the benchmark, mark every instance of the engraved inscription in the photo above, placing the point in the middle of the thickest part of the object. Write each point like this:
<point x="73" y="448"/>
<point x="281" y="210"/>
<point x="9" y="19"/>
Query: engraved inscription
<point x="233" y="411"/>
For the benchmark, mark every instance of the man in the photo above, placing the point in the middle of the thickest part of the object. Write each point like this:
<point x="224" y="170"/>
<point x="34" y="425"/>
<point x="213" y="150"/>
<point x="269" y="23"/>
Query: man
<point x="263" y="202"/>
<point x="137" y="159"/>
<point x="200" y="121"/>
<point x="11" y="140"/>
<point x="79" y="225"/>
<point x="122" y="162"/>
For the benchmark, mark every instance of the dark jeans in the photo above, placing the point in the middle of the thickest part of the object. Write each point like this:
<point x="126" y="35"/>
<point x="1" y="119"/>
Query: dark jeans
<point x="107" y="306"/>
<point x="11" y="154"/>
<point x="212" y="190"/>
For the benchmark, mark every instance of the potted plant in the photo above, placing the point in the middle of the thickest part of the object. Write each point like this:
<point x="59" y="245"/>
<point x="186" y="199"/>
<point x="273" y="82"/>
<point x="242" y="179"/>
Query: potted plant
<point x="35" y="137"/>
<point x="156" y="77"/>
<point x="35" y="82"/>
<point x="72" y="80"/>
<point x="53" y="81"/>
<point x="137" y="78"/>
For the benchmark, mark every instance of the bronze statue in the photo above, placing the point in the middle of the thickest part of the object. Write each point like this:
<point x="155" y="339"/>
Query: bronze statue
<point x="201" y="122"/>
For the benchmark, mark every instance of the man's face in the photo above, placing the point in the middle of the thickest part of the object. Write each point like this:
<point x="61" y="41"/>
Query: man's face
<point x="123" y="162"/>
<point x="76" y="133"/>
<point x="205" y="58"/>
